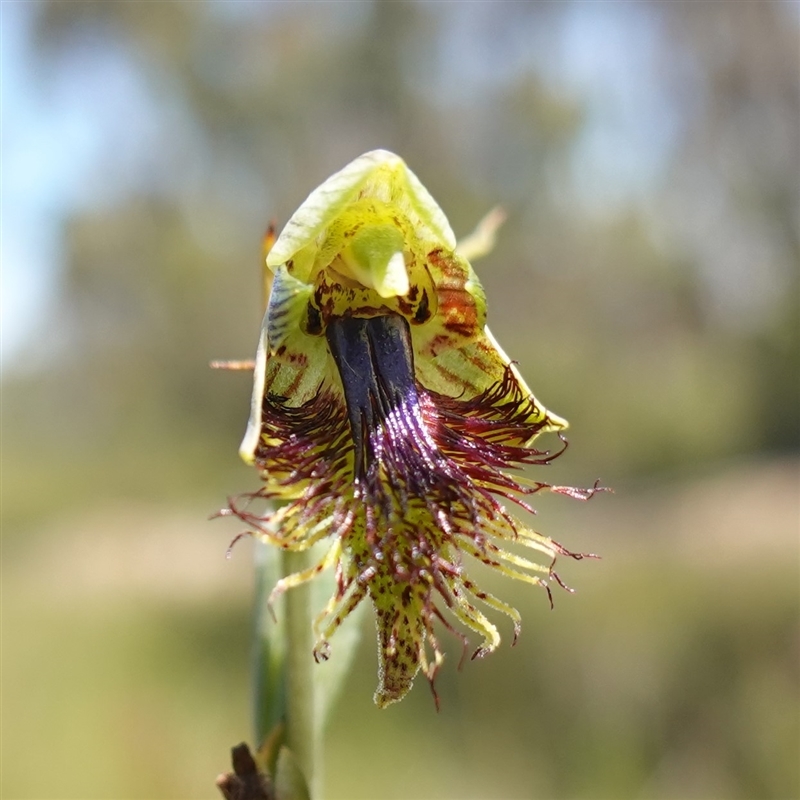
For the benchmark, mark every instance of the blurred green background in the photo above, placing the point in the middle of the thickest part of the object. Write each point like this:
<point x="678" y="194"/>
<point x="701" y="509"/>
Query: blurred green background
<point x="646" y="280"/>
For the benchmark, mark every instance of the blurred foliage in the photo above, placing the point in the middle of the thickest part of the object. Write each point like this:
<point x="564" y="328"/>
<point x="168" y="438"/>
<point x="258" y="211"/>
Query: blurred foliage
<point x="659" y="315"/>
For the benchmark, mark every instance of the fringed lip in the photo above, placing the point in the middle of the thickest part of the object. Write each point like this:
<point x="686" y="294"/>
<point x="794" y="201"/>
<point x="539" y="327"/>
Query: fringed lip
<point x="390" y="422"/>
<point x="408" y="486"/>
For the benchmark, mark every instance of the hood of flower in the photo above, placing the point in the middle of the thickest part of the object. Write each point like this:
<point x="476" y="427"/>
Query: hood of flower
<point x="339" y="256"/>
<point x="390" y="421"/>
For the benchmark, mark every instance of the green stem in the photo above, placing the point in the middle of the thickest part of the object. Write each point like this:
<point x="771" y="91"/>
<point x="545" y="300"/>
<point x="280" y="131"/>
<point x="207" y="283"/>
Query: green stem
<point x="284" y="689"/>
<point x="269" y="650"/>
<point x="303" y="733"/>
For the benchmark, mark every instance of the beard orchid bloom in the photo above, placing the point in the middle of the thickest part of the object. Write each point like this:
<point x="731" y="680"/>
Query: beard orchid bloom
<point x="390" y="424"/>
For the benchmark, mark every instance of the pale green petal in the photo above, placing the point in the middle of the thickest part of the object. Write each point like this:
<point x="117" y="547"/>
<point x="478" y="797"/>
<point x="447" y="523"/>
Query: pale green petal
<point x="482" y="240"/>
<point x="253" y="433"/>
<point x="289" y="363"/>
<point x="378" y="174"/>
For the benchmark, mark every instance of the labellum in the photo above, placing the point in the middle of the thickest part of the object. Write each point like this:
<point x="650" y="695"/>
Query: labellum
<point x="389" y="421"/>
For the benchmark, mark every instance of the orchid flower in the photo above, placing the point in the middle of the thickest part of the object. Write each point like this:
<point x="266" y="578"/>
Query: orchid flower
<point x="391" y="424"/>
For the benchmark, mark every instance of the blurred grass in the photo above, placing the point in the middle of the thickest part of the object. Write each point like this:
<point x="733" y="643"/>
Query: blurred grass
<point x="125" y="659"/>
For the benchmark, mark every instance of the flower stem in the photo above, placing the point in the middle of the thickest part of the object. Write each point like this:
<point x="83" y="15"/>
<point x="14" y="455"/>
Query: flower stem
<point x="269" y="650"/>
<point x="303" y="733"/>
